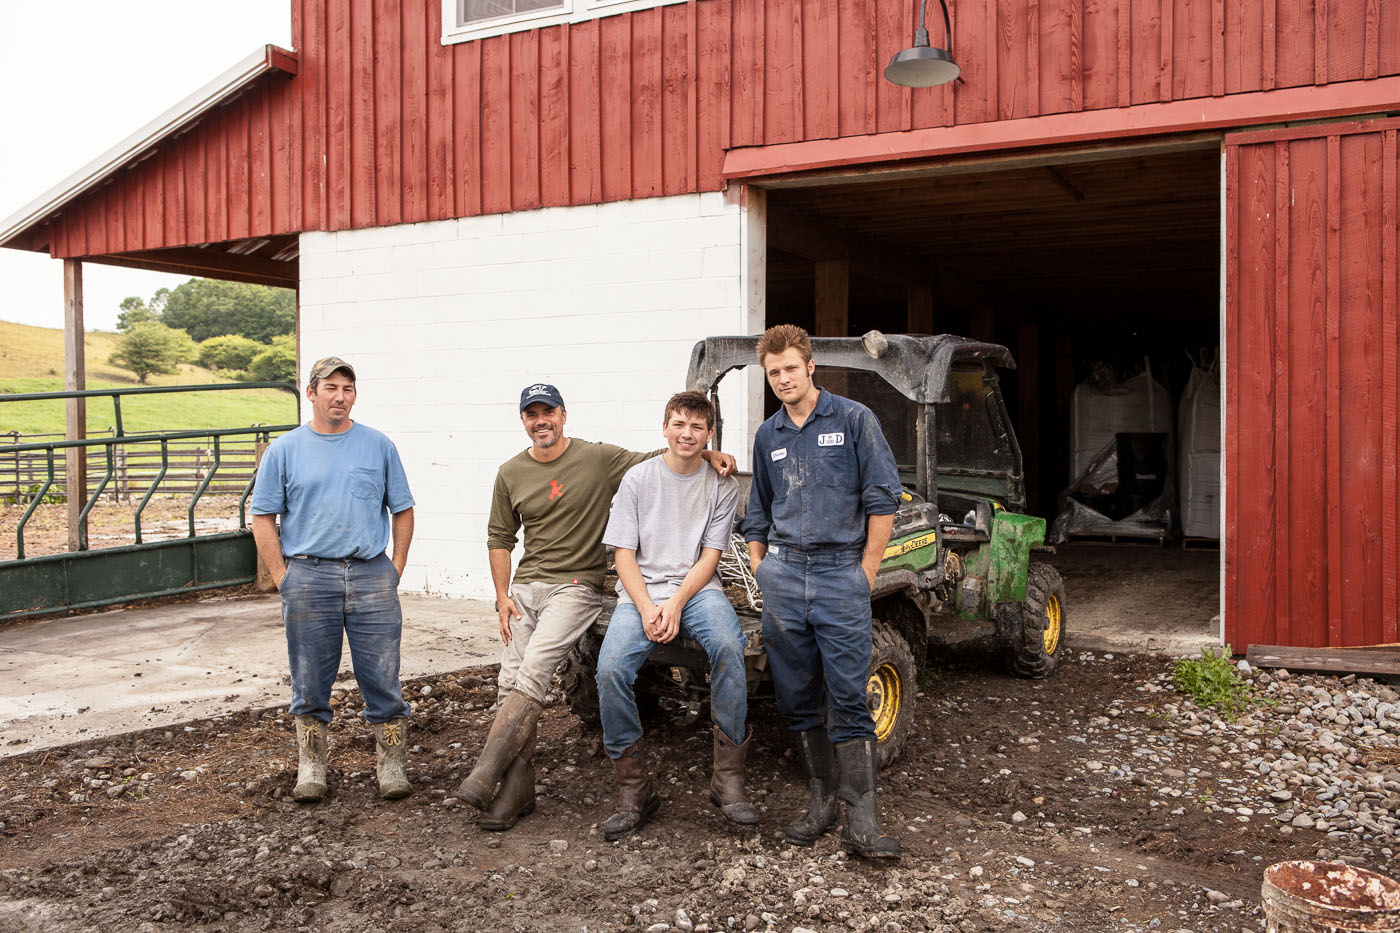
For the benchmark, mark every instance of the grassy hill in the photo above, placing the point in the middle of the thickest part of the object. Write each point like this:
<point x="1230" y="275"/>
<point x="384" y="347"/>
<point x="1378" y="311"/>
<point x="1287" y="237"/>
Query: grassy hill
<point x="31" y="360"/>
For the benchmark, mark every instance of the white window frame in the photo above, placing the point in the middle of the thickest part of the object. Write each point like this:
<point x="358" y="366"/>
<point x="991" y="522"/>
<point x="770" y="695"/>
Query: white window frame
<point x="573" y="11"/>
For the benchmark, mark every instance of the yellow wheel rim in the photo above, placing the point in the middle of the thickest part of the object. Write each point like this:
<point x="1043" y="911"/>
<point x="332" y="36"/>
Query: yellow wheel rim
<point x="1054" y="621"/>
<point x="882" y="695"/>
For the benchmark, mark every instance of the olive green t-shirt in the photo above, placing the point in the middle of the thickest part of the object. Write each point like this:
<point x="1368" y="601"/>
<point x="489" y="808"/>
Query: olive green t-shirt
<point x="564" y="507"/>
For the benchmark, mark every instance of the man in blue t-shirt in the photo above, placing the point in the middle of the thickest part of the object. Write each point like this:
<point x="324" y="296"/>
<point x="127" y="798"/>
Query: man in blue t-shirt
<point x="336" y="484"/>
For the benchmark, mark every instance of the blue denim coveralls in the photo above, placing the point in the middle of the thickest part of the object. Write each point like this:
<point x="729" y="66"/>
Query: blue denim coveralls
<point x="814" y="488"/>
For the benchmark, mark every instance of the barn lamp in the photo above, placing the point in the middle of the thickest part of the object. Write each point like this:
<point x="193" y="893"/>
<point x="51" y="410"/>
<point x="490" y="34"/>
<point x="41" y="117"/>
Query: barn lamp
<point x="923" y="66"/>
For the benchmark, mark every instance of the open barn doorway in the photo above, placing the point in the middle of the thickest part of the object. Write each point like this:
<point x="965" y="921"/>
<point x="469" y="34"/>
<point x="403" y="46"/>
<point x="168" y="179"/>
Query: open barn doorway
<point x="1100" y="270"/>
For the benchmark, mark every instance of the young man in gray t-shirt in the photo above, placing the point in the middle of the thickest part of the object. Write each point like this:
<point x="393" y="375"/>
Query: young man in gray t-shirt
<point x="671" y="519"/>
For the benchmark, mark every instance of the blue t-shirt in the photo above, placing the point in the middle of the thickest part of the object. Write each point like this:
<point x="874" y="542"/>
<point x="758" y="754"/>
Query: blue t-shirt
<point x="334" y="491"/>
<point x="816" y="486"/>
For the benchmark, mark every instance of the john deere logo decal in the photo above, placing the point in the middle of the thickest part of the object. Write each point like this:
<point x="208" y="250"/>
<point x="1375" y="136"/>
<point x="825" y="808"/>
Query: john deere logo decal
<point x="913" y="544"/>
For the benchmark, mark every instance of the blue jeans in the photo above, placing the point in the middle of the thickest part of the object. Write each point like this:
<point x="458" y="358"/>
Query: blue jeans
<point x="709" y="619"/>
<point x="323" y="598"/>
<point x="816" y="630"/>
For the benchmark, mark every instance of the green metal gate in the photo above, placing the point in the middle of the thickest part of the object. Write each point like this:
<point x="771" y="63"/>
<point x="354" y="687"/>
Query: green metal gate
<point x="88" y="578"/>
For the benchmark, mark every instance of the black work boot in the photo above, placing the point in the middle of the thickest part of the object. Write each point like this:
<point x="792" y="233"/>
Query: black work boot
<point x="814" y="752"/>
<point x="727" y="781"/>
<point x="514" y="723"/>
<point x="862" y="835"/>
<point x="516" y="797"/>
<point x="636" y="798"/>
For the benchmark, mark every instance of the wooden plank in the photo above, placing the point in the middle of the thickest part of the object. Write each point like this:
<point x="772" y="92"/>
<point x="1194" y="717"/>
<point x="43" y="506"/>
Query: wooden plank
<point x="238" y="193"/>
<point x="1217" y="48"/>
<point x="363" y="143"/>
<point x="1060" y="57"/>
<point x="386" y="114"/>
<point x="1342" y="660"/>
<point x="280" y="176"/>
<point x="554" y="116"/>
<point x="259" y="162"/>
<point x="615" y="87"/>
<point x="414" y="104"/>
<point x="75" y="409"/>
<point x="1332" y="218"/>
<point x="747" y="37"/>
<point x="1191" y="50"/>
<point x="692" y="97"/>
<point x="853" y="29"/>
<point x="833" y="298"/>
<point x="585" y="114"/>
<point x="821" y="70"/>
<point x="1293" y="44"/>
<point x="645" y="129"/>
<point x="894" y="31"/>
<point x="1320" y="50"/>
<point x="1100" y="51"/>
<point x="467" y="117"/>
<point x="782" y="63"/>
<point x="675" y="130"/>
<point x="216" y="177"/>
<point x="495" y="125"/>
<point x="524" y="81"/>
<point x="338" y="117"/>
<point x="713" y="95"/>
<point x="1281" y="370"/>
<point x="1390" y="404"/>
<point x="1125" y="52"/>
<point x="441" y="155"/>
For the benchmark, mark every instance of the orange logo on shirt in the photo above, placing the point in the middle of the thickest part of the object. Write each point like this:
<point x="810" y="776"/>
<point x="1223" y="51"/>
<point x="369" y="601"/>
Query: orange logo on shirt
<point x="555" y="490"/>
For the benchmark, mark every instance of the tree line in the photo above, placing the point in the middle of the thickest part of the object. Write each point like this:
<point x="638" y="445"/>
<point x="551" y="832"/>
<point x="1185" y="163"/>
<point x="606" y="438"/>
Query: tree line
<point x="242" y="331"/>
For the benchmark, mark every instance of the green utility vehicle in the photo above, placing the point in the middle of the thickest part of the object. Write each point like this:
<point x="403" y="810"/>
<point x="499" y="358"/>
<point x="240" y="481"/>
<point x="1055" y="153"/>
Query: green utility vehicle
<point x="958" y="563"/>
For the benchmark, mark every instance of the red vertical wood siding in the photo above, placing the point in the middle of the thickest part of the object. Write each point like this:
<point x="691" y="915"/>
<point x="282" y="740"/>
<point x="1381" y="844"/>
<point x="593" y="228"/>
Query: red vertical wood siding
<point x="383" y="124"/>
<point x="1312" y="537"/>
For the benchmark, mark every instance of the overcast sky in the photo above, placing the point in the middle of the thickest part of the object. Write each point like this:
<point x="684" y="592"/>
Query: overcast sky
<point x="79" y="76"/>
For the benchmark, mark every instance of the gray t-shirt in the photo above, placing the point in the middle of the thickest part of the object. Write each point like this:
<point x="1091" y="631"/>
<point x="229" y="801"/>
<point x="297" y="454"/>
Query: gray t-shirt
<point x="667" y="518"/>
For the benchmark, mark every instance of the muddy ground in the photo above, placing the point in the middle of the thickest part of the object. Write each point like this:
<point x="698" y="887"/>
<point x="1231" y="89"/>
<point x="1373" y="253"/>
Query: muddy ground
<point x="1005" y="823"/>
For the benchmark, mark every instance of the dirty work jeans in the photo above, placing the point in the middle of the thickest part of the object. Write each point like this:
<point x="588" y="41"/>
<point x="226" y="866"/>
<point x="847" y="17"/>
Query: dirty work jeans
<point x="709" y="619"/>
<point x="323" y="598"/>
<point x="552" y="617"/>
<point x="816" y="628"/>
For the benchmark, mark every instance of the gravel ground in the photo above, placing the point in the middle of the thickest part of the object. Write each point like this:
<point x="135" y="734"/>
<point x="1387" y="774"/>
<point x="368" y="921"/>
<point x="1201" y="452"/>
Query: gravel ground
<point x="1100" y="799"/>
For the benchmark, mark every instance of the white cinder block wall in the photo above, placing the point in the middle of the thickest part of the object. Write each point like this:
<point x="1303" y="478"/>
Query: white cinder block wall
<point x="445" y="322"/>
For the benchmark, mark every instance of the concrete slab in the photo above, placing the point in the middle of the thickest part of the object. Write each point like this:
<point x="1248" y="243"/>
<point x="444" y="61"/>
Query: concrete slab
<point x="66" y="680"/>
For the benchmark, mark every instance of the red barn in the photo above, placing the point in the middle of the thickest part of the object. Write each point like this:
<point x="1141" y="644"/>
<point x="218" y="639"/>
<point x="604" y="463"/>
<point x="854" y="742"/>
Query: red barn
<point x="468" y="198"/>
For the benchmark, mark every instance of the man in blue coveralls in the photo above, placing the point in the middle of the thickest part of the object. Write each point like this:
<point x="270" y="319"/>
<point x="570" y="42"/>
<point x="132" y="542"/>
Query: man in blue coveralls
<point x="825" y="490"/>
<point x="336" y="483"/>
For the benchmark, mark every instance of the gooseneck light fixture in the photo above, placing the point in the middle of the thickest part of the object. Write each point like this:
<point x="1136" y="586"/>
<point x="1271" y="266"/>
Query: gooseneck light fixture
<point x="922" y="66"/>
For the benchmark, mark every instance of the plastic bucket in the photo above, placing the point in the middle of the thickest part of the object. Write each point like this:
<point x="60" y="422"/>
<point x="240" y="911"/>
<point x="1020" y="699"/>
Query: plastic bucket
<point x="1323" y="897"/>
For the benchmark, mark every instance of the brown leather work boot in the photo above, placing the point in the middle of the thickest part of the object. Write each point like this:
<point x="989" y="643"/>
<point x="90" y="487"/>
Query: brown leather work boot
<point x="311" y="760"/>
<point x="514" y="723"/>
<point x="516" y="798"/>
<point x="389" y="740"/>
<point x="636" y="798"/>
<point x="727" y="781"/>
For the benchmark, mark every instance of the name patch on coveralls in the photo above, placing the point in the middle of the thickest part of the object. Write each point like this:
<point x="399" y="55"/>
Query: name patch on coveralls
<point x="779" y="454"/>
<point x="831" y="440"/>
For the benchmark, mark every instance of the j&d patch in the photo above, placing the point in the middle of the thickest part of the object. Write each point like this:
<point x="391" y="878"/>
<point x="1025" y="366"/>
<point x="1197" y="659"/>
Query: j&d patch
<point x="831" y="440"/>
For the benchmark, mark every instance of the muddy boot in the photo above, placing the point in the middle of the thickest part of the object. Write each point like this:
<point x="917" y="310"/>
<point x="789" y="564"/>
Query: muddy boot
<point x="514" y="722"/>
<point x="311" y="759"/>
<point x="727" y="782"/>
<point x="636" y="798"/>
<point x="389" y="738"/>
<point x="814" y="752"/>
<point x="862" y="835"/>
<point x="516" y="797"/>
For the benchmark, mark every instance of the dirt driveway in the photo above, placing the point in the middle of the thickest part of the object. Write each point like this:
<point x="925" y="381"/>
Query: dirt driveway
<point x="1096" y="800"/>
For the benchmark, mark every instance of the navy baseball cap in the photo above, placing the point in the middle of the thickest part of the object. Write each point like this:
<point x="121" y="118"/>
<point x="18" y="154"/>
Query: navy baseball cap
<point x="540" y="392"/>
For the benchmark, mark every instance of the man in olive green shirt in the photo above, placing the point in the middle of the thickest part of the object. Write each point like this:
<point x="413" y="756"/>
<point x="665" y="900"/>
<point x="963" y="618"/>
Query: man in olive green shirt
<point x="560" y="490"/>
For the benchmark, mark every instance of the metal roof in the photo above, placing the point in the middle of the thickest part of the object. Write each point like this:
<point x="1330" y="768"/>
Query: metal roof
<point x="141" y="143"/>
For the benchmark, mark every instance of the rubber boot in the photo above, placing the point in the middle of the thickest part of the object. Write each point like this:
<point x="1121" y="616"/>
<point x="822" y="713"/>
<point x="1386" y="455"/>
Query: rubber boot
<point x="311" y="760"/>
<point x="636" y="799"/>
<point x="819" y="768"/>
<point x="389" y="741"/>
<point x="516" y="797"/>
<point x="862" y="835"/>
<point x="515" y="721"/>
<point x="727" y="781"/>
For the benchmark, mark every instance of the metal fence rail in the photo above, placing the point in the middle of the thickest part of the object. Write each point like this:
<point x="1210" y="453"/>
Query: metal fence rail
<point x="130" y="463"/>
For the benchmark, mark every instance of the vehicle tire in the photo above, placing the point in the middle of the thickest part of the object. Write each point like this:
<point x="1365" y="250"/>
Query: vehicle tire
<point x="1038" y="646"/>
<point x="890" y="689"/>
<point x="577" y="679"/>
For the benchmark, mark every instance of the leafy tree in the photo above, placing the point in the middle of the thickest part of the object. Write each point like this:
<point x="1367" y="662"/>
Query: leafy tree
<point x="135" y="311"/>
<point x="278" y="363"/>
<point x="149" y="347"/>
<point x="206" y="308"/>
<point x="228" y="353"/>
